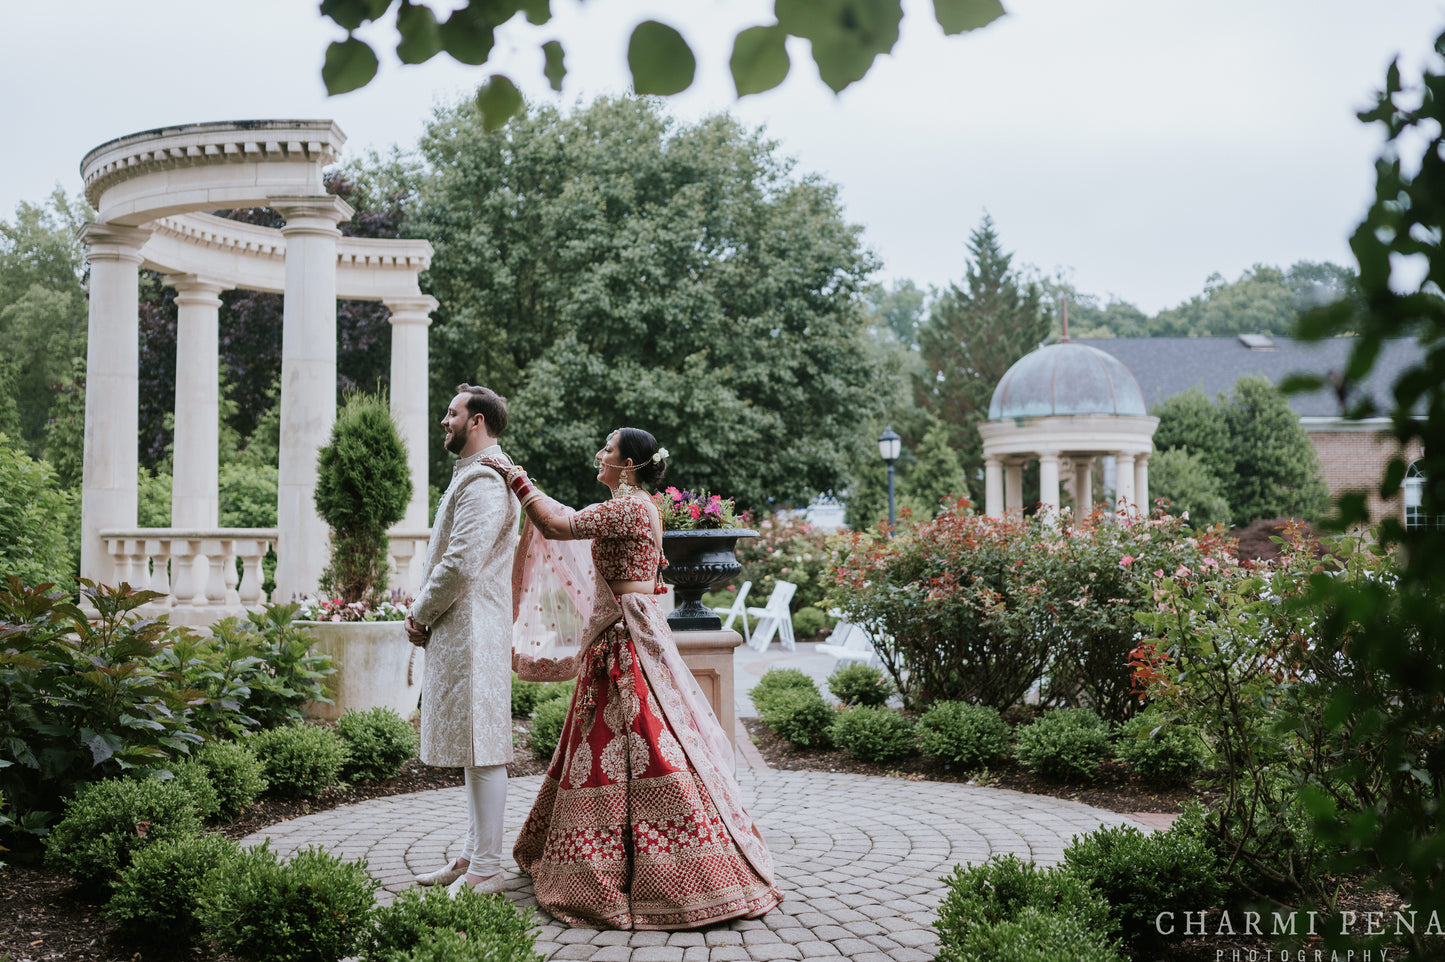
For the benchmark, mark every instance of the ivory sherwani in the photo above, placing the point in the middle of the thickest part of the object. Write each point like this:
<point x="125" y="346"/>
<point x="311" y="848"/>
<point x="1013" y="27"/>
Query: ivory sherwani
<point x="466" y="600"/>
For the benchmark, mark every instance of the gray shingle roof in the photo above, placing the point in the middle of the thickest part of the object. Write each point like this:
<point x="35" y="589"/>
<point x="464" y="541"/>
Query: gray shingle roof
<point x="1164" y="366"/>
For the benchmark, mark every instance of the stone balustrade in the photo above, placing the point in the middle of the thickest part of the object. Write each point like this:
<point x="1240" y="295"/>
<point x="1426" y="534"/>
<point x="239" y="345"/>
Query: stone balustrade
<point x="204" y="575"/>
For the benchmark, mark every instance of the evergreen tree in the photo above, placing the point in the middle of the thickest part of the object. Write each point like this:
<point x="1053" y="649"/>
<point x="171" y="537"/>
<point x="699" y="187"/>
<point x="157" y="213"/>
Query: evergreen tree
<point x="1190" y="485"/>
<point x="1276" y="472"/>
<point x="972" y="335"/>
<point x="1191" y="420"/>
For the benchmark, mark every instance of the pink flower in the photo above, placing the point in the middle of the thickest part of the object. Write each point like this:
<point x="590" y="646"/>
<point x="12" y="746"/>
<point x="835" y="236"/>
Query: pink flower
<point x="695" y="511"/>
<point x="1126" y="561"/>
<point x="785" y="571"/>
<point x="1182" y="572"/>
<point x="1209" y="563"/>
<point x="1158" y="572"/>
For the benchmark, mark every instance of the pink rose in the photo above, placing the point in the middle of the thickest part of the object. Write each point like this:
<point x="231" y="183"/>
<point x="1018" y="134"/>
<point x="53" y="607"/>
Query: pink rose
<point x="1126" y="561"/>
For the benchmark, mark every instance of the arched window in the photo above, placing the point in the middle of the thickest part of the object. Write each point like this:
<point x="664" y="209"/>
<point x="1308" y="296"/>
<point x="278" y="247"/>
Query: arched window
<point x="1414" y="494"/>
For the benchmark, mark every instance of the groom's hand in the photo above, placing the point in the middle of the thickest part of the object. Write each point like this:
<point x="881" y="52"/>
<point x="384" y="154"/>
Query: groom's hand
<point x="416" y="634"/>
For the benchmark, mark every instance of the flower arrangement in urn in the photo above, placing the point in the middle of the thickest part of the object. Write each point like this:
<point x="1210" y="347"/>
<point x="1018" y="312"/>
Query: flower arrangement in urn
<point x="694" y="510"/>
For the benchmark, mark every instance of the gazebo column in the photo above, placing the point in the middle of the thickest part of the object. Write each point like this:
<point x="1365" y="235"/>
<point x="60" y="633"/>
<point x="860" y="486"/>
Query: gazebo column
<point x="1141" y="482"/>
<point x="195" y="483"/>
<point x="1124" y="480"/>
<point x="1013" y="486"/>
<point x="112" y="392"/>
<point x="308" y="385"/>
<point x="993" y="487"/>
<point x="410" y="318"/>
<point x="1083" y="486"/>
<point x="1049" y="480"/>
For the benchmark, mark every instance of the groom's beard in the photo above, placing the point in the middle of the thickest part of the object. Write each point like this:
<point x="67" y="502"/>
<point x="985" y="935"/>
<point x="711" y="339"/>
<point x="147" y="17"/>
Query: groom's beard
<point x="456" y="442"/>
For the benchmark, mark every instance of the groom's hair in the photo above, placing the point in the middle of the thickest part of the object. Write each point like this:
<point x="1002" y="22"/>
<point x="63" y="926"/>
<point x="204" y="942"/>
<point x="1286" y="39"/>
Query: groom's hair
<point x="489" y="404"/>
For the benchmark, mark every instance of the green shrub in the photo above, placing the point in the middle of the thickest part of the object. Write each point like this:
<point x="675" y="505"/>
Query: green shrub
<point x="33" y="512"/>
<point x="1141" y="875"/>
<point x="969" y="736"/>
<point x="527" y="695"/>
<point x="79" y="700"/>
<point x="873" y="734"/>
<point x="301" y="761"/>
<point x="1161" y="750"/>
<point x="314" y="908"/>
<point x="1003" y="890"/>
<point x="786" y="549"/>
<point x="1066" y="743"/>
<point x="159" y="894"/>
<point x="809" y="621"/>
<point x="493" y="928"/>
<point x="797" y="715"/>
<point x="235" y="772"/>
<point x="196" y="780"/>
<point x="548" y="721"/>
<point x="108" y="822"/>
<point x="775" y="682"/>
<point x="858" y="684"/>
<point x="378" y="743"/>
<point x="1032" y="936"/>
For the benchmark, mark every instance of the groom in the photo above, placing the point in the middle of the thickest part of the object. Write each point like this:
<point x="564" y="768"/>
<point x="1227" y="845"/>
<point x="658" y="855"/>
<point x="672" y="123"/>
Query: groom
<point x="463" y="618"/>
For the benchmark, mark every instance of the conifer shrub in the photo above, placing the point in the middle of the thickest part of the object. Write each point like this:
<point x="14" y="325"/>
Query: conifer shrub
<point x="314" y="908"/>
<point x="873" y="733"/>
<point x="1161" y="750"/>
<point x="859" y="684"/>
<point x="1065" y="744"/>
<point x="378" y="743"/>
<point x="235" y="772"/>
<point x="107" y="822"/>
<point x="301" y="761"/>
<point x="548" y="720"/>
<point x="415" y="926"/>
<point x="158" y="896"/>
<point x="963" y="735"/>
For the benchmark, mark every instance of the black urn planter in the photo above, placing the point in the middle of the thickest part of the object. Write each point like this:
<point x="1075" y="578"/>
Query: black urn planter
<point x="697" y="560"/>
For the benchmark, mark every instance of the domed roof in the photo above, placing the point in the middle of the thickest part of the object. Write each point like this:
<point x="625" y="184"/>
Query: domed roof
<point x="1066" y="378"/>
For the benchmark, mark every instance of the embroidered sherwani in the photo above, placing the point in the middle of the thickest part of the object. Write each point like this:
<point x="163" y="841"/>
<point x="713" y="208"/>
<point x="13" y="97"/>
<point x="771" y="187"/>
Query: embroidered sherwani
<point x="637" y="824"/>
<point x="466" y="600"/>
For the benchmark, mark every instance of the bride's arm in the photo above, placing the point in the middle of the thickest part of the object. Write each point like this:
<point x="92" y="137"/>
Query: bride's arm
<point x="551" y="517"/>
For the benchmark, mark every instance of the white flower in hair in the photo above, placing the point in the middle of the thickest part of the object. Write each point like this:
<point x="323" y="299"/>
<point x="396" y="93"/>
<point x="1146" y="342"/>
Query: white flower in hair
<point x="659" y="455"/>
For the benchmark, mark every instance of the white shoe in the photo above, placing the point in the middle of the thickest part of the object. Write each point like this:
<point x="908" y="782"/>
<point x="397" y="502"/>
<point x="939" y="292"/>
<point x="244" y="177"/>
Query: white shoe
<point x="442" y="876"/>
<point x="487" y="886"/>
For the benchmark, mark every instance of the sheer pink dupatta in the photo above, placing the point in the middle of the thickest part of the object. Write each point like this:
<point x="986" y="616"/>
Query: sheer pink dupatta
<point x="553" y="592"/>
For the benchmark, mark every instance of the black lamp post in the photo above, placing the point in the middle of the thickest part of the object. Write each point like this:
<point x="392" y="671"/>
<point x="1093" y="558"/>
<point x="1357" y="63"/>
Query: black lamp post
<point x="889" y="444"/>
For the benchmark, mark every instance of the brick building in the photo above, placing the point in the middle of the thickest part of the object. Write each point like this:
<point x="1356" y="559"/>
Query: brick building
<point x="1352" y="454"/>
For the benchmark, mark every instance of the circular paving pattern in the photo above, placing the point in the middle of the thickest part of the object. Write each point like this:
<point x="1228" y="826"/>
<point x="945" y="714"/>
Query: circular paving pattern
<point x="859" y="859"/>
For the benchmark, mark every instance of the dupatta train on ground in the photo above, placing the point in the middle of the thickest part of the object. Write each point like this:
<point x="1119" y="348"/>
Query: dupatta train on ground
<point x="638" y="824"/>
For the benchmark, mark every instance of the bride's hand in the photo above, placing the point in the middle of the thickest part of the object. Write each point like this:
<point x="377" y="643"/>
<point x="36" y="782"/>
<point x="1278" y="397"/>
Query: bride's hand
<point x="499" y="465"/>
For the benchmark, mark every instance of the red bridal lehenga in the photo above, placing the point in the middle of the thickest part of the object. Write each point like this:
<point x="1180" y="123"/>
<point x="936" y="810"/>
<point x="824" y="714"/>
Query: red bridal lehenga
<point x="638" y="824"/>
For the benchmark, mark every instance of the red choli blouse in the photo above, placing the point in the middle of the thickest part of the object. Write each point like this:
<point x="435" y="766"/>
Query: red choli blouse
<point x="621" y="534"/>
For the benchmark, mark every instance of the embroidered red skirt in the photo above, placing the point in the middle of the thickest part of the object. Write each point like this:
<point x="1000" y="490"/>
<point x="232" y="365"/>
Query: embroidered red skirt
<point x="623" y="833"/>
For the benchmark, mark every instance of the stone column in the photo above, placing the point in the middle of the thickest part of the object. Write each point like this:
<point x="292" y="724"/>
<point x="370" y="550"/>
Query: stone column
<point x="1013" y="487"/>
<point x="1141" y="483"/>
<point x="195" y="484"/>
<point x="1083" y="486"/>
<point x="1049" y="480"/>
<point x="410" y="318"/>
<point x="1124" y="481"/>
<point x="993" y="487"/>
<point x="308" y="386"/>
<point x="112" y="392"/>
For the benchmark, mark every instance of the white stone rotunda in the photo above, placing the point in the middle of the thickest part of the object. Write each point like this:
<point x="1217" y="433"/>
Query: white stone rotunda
<point x="1065" y="405"/>
<point x="152" y="191"/>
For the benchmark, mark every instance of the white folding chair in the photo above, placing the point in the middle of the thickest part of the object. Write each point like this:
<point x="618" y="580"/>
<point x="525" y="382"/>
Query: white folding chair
<point x="776" y="617"/>
<point x="738" y="607"/>
<point x="850" y="642"/>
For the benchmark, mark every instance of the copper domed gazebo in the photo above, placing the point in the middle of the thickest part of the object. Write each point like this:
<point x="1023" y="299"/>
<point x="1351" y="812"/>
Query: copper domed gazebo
<point x="1066" y="403"/>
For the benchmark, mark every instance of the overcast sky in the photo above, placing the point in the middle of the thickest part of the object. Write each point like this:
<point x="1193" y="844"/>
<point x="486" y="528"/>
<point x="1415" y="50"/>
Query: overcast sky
<point x="1136" y="145"/>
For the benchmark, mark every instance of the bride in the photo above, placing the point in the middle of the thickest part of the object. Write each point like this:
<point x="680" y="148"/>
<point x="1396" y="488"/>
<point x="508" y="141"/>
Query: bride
<point x="638" y="824"/>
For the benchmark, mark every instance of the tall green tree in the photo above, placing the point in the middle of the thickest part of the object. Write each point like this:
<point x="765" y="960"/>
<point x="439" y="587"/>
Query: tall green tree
<point x="973" y="334"/>
<point x="1191" y="420"/>
<point x="43" y="313"/>
<point x="611" y="267"/>
<point x="1276" y="472"/>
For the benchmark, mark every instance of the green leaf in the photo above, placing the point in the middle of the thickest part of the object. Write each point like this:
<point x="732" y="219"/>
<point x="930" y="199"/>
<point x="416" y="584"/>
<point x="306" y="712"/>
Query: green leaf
<point x="351" y="14"/>
<point x="960" y="16"/>
<point x="555" y="69"/>
<point x="467" y="37"/>
<point x="760" y="59"/>
<point x="660" y="60"/>
<point x="421" y="35"/>
<point x="538" y="11"/>
<point x="498" y="100"/>
<point x="349" y="64"/>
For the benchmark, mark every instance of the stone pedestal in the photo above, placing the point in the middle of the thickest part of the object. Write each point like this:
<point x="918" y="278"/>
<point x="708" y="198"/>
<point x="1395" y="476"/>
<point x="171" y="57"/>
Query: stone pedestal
<point x="375" y="666"/>
<point x="709" y="656"/>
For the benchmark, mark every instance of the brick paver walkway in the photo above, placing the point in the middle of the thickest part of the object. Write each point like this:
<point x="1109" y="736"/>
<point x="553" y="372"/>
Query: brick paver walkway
<point x="859" y="858"/>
